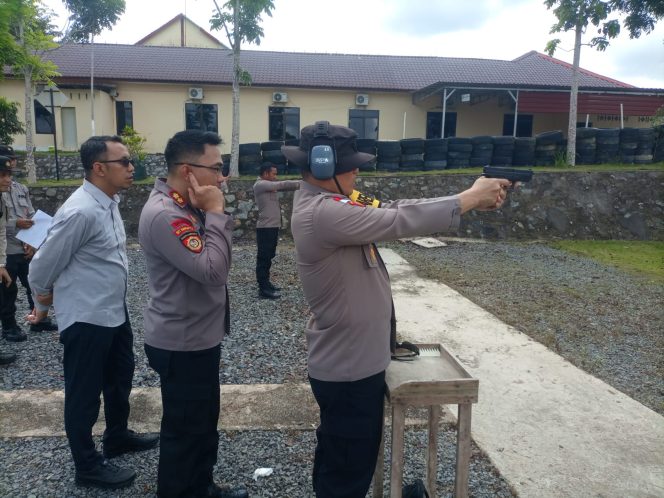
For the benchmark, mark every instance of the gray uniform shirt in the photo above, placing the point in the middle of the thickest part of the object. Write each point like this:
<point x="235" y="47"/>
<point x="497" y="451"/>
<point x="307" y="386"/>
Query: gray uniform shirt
<point x="188" y="261"/>
<point x="344" y="279"/>
<point x="3" y="232"/>
<point x="83" y="260"/>
<point x="19" y="206"/>
<point x="267" y="200"/>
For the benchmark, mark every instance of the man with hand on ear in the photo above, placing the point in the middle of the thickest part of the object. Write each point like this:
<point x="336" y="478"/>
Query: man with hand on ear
<point x="347" y="287"/>
<point x="186" y="238"/>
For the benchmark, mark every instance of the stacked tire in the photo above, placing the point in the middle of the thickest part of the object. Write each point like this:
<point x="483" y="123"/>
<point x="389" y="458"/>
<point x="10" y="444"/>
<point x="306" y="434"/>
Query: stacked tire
<point x="608" y="145"/>
<point x="645" y="146"/>
<point x="388" y="154"/>
<point x="524" y="151"/>
<point x="435" y="154"/>
<point x="250" y="158"/>
<point x="503" y="151"/>
<point x="412" y="154"/>
<point x="547" y="146"/>
<point x="459" y="151"/>
<point x="586" y="145"/>
<point x="271" y="152"/>
<point x="292" y="169"/>
<point x="482" y="152"/>
<point x="629" y="141"/>
<point x="658" y="152"/>
<point x="367" y="145"/>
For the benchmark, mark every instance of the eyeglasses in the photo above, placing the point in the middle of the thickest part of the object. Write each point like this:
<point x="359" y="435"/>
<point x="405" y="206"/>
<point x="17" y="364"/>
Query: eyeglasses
<point x="124" y="161"/>
<point x="218" y="168"/>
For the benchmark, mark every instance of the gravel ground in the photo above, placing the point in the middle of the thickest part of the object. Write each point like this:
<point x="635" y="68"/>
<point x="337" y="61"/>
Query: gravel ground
<point x="601" y="319"/>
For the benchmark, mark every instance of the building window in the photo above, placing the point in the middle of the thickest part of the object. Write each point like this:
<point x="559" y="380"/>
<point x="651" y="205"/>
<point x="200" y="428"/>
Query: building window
<point x="124" y="115"/>
<point x="364" y="122"/>
<point x="435" y="124"/>
<point x="44" y="122"/>
<point x="524" y="125"/>
<point x="284" y="123"/>
<point x="202" y="117"/>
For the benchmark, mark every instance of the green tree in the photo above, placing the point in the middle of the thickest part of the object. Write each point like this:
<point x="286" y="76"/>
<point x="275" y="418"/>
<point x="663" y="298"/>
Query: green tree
<point x="603" y="16"/>
<point x="31" y="35"/>
<point x="10" y="124"/>
<point x="88" y="19"/>
<point x="240" y="20"/>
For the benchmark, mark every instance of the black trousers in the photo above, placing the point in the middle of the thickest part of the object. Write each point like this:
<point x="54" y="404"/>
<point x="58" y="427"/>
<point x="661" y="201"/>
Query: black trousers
<point x="349" y="434"/>
<point x="189" y="439"/>
<point x="266" y="240"/>
<point x="17" y="267"/>
<point x="96" y="360"/>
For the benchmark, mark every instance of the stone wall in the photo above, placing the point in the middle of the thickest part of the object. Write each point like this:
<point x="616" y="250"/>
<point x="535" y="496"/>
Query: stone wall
<point x="568" y="205"/>
<point x="70" y="165"/>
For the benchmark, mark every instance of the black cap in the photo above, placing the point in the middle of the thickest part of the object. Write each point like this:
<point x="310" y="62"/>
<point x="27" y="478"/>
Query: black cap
<point x="6" y="164"/>
<point x="7" y="151"/>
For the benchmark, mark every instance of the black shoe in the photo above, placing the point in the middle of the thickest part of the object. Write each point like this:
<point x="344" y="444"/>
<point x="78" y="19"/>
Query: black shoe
<point x="105" y="475"/>
<point x="268" y="293"/>
<point x="131" y="442"/>
<point x="7" y="358"/>
<point x="44" y="326"/>
<point x="13" y="334"/>
<point x="273" y="287"/>
<point x="215" y="491"/>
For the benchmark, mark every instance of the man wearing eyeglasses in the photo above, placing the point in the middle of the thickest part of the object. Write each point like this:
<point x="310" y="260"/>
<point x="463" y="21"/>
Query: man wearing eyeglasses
<point x="186" y="238"/>
<point x="81" y="268"/>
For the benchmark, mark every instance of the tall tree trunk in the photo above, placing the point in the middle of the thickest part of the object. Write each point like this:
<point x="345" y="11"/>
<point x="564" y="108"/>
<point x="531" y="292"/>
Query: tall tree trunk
<point x="573" y="99"/>
<point x="235" y="137"/>
<point x="92" y="83"/>
<point x="29" y="145"/>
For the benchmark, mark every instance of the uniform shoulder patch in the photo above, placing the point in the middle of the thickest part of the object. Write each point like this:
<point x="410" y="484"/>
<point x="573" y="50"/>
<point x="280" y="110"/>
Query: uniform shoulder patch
<point x="345" y="200"/>
<point x="193" y="242"/>
<point x="177" y="198"/>
<point x="182" y="226"/>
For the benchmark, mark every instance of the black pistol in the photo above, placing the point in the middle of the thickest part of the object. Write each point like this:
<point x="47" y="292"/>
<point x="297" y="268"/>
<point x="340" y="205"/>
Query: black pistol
<point x="511" y="174"/>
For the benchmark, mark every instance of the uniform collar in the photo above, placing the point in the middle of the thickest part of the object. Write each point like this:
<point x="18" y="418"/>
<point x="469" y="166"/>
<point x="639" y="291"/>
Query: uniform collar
<point x="163" y="187"/>
<point x="315" y="189"/>
<point x="99" y="195"/>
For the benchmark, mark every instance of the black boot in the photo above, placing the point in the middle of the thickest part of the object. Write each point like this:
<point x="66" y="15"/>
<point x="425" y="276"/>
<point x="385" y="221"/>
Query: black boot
<point x="12" y="332"/>
<point x="105" y="475"/>
<point x="7" y="358"/>
<point x="266" y="292"/>
<point x="273" y="287"/>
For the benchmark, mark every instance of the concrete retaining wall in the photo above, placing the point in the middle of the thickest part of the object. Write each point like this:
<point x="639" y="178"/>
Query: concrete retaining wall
<point x="568" y="205"/>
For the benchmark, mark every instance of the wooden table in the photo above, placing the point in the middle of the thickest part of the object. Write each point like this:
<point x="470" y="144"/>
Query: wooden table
<point x="433" y="379"/>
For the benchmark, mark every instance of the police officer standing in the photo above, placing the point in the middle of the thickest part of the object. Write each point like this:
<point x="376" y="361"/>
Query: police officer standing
<point x="186" y="239"/>
<point x="20" y="211"/>
<point x="347" y="287"/>
<point x="266" y="192"/>
<point x="5" y="279"/>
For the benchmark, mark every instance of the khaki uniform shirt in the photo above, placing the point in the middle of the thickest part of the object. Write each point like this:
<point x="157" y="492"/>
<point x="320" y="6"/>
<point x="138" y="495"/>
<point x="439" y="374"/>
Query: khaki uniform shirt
<point x="267" y="200"/>
<point x="188" y="257"/>
<point x="344" y="279"/>
<point x="19" y="206"/>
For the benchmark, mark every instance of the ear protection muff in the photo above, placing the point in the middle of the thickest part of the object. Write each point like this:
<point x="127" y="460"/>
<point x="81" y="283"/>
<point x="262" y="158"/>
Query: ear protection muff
<point x="322" y="154"/>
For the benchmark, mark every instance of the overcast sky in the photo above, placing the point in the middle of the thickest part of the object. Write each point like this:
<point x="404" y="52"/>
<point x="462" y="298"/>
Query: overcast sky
<point x="484" y="29"/>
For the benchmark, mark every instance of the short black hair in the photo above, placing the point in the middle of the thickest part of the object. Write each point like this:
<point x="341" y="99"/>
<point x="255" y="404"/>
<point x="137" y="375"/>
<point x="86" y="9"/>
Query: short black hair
<point x="185" y="144"/>
<point x="94" y="148"/>
<point x="264" y="168"/>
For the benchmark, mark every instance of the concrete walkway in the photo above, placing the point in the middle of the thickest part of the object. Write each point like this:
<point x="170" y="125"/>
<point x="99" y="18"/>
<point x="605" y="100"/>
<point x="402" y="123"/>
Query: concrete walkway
<point x="551" y="429"/>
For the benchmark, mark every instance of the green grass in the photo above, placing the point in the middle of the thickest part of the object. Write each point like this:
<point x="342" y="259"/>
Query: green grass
<point x="644" y="258"/>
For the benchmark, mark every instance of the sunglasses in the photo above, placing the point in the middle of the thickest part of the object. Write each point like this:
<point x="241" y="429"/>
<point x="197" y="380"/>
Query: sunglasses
<point x="124" y="161"/>
<point x="217" y="168"/>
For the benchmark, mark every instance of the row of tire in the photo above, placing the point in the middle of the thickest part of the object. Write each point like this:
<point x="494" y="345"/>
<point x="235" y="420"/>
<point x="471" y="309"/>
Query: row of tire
<point x="593" y="146"/>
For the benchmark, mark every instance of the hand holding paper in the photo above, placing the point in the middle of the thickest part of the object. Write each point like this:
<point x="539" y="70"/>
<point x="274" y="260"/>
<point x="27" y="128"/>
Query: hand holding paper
<point x="36" y="234"/>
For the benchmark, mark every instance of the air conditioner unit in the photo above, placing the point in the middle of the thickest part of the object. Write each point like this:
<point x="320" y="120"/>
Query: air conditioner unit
<point x="113" y="92"/>
<point x="196" y="93"/>
<point x="361" y="99"/>
<point x="280" y="97"/>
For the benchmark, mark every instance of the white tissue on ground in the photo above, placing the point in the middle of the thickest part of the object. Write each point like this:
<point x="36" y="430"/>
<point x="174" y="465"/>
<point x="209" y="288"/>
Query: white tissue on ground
<point x="262" y="472"/>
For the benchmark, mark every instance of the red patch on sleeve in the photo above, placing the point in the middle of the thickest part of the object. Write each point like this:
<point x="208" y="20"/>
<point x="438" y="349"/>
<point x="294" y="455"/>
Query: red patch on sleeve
<point x="344" y="200"/>
<point x="193" y="242"/>
<point x="182" y="226"/>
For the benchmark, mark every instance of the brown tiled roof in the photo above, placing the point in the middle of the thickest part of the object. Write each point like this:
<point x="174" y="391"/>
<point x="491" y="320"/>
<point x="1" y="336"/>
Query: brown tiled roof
<point x="309" y="70"/>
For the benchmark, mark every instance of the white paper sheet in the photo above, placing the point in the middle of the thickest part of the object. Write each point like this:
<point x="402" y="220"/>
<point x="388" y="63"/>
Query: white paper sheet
<point x="36" y="234"/>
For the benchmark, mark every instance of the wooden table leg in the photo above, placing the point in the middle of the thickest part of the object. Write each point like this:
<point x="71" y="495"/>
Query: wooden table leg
<point x="432" y="450"/>
<point x="380" y="466"/>
<point x="396" y="470"/>
<point x="463" y="451"/>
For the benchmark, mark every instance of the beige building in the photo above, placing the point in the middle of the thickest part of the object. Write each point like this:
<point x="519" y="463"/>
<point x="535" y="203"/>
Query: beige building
<point x="179" y="77"/>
